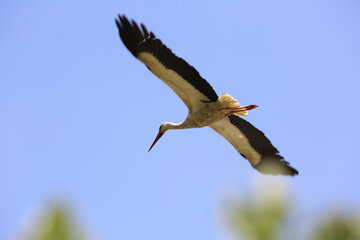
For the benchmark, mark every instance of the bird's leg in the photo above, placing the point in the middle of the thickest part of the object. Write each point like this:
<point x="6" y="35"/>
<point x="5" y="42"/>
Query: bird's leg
<point x="239" y="109"/>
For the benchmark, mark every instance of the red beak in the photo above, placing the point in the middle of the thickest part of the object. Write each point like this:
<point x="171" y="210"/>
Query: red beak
<point x="156" y="139"/>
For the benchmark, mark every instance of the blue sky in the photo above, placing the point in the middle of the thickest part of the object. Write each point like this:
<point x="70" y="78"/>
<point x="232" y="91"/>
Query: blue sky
<point x="79" y="112"/>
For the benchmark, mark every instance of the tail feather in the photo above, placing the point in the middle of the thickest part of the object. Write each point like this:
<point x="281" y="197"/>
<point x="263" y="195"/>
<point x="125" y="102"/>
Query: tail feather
<point x="230" y="102"/>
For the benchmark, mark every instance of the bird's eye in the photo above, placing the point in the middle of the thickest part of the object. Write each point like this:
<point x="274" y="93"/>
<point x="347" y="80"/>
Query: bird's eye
<point x="160" y="128"/>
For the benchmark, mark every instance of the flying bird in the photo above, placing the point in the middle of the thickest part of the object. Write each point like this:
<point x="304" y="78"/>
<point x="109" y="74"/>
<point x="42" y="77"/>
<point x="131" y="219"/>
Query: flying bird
<point x="205" y="107"/>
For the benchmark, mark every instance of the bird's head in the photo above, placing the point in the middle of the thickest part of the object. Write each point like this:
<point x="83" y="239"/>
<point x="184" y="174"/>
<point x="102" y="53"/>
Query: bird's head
<point x="162" y="129"/>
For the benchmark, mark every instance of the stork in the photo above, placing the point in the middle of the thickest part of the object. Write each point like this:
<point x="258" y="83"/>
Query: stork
<point x="205" y="107"/>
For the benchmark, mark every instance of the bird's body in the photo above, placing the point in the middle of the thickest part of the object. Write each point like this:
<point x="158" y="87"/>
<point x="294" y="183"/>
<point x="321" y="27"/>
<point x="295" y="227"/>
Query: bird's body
<point x="207" y="113"/>
<point x="205" y="107"/>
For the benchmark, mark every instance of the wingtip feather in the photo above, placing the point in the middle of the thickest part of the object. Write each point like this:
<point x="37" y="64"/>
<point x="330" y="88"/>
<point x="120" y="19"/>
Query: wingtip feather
<point x="275" y="165"/>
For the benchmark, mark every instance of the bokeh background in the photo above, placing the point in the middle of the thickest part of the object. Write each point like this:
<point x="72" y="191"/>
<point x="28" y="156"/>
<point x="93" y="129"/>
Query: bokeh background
<point x="78" y="113"/>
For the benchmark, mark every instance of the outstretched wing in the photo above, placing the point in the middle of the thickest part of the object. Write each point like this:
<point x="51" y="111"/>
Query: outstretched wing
<point x="253" y="145"/>
<point x="174" y="71"/>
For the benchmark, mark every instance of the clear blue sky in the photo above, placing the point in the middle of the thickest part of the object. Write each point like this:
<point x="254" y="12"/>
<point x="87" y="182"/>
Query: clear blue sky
<point x="78" y="112"/>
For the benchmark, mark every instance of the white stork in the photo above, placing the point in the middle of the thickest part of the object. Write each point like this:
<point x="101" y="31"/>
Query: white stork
<point x="205" y="107"/>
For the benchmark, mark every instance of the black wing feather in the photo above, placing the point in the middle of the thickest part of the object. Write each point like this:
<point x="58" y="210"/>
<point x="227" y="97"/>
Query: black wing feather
<point x="140" y="40"/>
<point x="271" y="161"/>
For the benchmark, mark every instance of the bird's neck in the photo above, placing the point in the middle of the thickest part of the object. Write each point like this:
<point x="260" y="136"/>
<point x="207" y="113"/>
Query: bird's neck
<point x="183" y="125"/>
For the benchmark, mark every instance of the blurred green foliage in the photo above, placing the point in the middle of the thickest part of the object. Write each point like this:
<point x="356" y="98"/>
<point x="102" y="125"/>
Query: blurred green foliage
<point x="258" y="222"/>
<point x="339" y="226"/>
<point x="53" y="223"/>
<point x="57" y="226"/>
<point x="266" y="215"/>
<point x="261" y="215"/>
